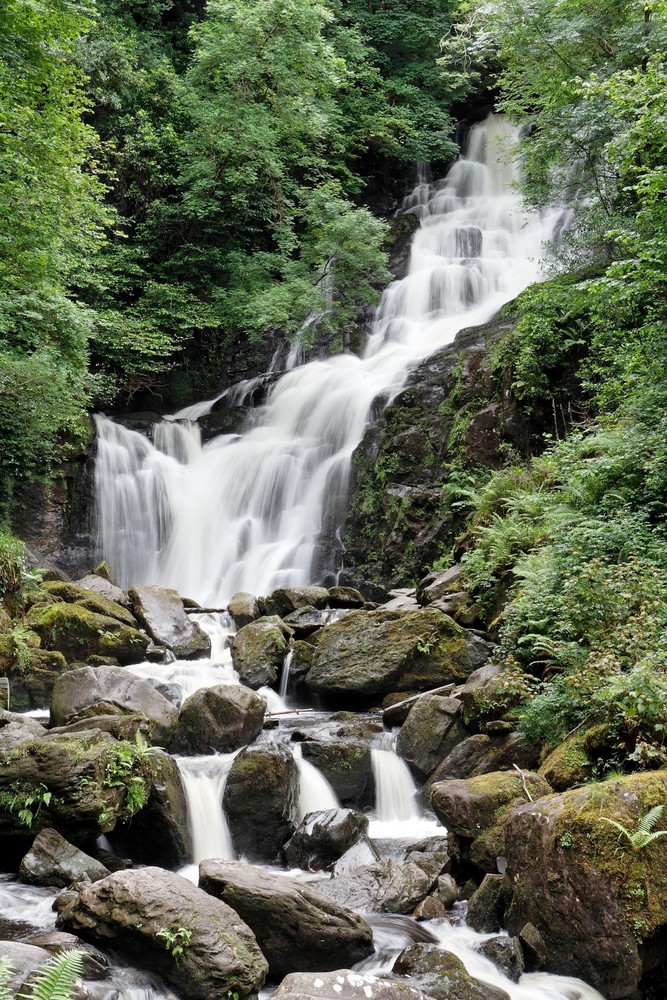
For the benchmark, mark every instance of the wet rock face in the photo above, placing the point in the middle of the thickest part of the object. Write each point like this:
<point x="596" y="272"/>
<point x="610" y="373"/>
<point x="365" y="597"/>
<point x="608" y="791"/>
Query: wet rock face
<point x="370" y="653"/>
<point x="442" y="975"/>
<point x="432" y="729"/>
<point x="466" y="807"/>
<point x="599" y="905"/>
<point x="481" y="754"/>
<point x="53" y="861"/>
<point x="218" y="720"/>
<point x="161" y="613"/>
<point x="147" y="911"/>
<point x="77" y="690"/>
<point x="342" y="985"/>
<point x="324" y="837"/>
<point x="380" y="887"/>
<point x="346" y="764"/>
<point x="297" y="927"/>
<point x="258" y="651"/>
<point x="260" y="801"/>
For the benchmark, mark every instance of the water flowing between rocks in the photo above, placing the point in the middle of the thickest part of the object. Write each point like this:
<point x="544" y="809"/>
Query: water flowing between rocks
<point x="246" y="511"/>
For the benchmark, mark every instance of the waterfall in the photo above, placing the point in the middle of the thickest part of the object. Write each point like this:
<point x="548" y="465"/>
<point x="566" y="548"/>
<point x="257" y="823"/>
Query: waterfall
<point x="284" y="675"/>
<point x="315" y="792"/>
<point x="204" y="784"/>
<point x="244" y="512"/>
<point x="394" y="788"/>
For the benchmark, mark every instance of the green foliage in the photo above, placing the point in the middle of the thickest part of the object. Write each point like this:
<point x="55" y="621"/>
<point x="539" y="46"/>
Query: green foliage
<point x="176" y="940"/>
<point x="644" y="834"/>
<point x="27" y="804"/>
<point x="12" y="570"/>
<point x="57" y="978"/>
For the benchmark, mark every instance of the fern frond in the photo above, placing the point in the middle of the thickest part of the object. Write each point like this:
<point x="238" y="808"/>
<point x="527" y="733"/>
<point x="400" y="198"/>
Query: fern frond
<point x="57" y="979"/>
<point x="619" y="826"/>
<point x="647" y="822"/>
<point x="5" y="975"/>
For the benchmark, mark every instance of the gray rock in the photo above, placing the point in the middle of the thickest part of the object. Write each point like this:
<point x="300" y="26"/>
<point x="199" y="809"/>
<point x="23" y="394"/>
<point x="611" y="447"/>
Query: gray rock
<point x="258" y="651"/>
<point x="364" y="852"/>
<point x="346" y="764"/>
<point x="218" y="719"/>
<point x="323" y="837"/>
<point x="104" y="587"/>
<point x="305" y="621"/>
<point x="435" y="585"/>
<point x="467" y="806"/>
<point x="345" y="597"/>
<point x="244" y="608"/>
<point x="342" y="985"/>
<point x="432" y="729"/>
<point x="381" y="887"/>
<point x="297" y="927"/>
<point x="442" y="975"/>
<point x="16" y="729"/>
<point x="369" y="653"/>
<point x="506" y="953"/>
<point x="482" y="754"/>
<point x="285" y="600"/>
<point x="431" y="855"/>
<point x="401" y="603"/>
<point x="52" y="860"/>
<point x="128" y="910"/>
<point x="260" y="801"/>
<point x="24" y="959"/>
<point x="162" y="614"/>
<point x="486" y="906"/>
<point x="80" y="689"/>
<point x="446" y="890"/>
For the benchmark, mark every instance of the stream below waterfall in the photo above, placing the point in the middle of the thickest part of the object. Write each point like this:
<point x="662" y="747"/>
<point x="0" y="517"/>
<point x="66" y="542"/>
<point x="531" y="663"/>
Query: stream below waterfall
<point x="245" y="512"/>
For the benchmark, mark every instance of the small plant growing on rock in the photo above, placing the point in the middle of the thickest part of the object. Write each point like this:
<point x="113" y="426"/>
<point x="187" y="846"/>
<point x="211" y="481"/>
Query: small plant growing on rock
<point x="176" y="940"/>
<point x="644" y="834"/>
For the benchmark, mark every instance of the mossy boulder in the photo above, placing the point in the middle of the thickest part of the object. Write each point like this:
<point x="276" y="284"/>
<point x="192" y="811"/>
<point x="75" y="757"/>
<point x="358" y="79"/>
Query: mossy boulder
<point x="442" y="975"/>
<point x="218" y="720"/>
<point x="259" y="650"/>
<point x="285" y="600"/>
<point x="100" y="603"/>
<point x="370" y="653"/>
<point x="260" y="801"/>
<point x="598" y="899"/>
<point x="346" y="764"/>
<point x="468" y="806"/>
<point x="78" y="633"/>
<point x="480" y="754"/>
<point x="569" y="764"/>
<point x="80" y="785"/>
<point x="487" y="695"/>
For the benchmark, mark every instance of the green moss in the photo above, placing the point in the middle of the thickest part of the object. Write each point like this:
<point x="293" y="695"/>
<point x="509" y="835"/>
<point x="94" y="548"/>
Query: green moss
<point x="569" y="764"/>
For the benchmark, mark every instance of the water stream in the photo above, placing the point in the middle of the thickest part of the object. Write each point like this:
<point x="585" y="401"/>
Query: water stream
<point x="245" y="511"/>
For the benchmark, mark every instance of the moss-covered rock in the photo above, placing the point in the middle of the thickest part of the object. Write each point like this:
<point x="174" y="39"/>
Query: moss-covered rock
<point x="161" y="612"/>
<point x="596" y="896"/>
<point x="78" y="633"/>
<point x="260" y="801"/>
<point x="259" y="650"/>
<point x="370" y="653"/>
<point x="468" y="806"/>
<point x="432" y="729"/>
<point x="442" y="975"/>
<point x="71" y="593"/>
<point x="569" y="764"/>
<point x="218" y="719"/>
<point x="346" y="764"/>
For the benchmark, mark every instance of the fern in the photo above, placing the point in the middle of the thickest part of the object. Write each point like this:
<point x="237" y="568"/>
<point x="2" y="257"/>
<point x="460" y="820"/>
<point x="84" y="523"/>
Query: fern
<point x="5" y="975"/>
<point x="57" y="979"/>
<point x="644" y="834"/>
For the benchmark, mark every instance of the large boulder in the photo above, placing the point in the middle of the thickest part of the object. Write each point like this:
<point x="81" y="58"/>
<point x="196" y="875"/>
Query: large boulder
<point x="160" y="833"/>
<point x="467" y="806"/>
<point x="259" y="650"/>
<point x="381" y="887"/>
<point x="346" y="764"/>
<point x="481" y="754"/>
<point x="323" y="837"/>
<point x="78" y="690"/>
<point x="52" y="860"/>
<point x="370" y="653"/>
<point x="439" y="583"/>
<point x="597" y="898"/>
<point x="432" y="729"/>
<point x="260" y="801"/>
<point x="16" y="729"/>
<point x="244" y="608"/>
<point x="78" y="633"/>
<point x="285" y="600"/>
<point x="342" y="985"/>
<point x="442" y="975"/>
<point x="297" y="927"/>
<point x="100" y="585"/>
<point x="161" y="613"/>
<point x="151" y="913"/>
<point x="81" y="785"/>
<point x="218" y="720"/>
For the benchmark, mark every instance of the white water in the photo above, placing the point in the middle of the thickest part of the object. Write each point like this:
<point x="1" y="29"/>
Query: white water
<point x="204" y="781"/>
<point x="315" y="792"/>
<point x="244" y="512"/>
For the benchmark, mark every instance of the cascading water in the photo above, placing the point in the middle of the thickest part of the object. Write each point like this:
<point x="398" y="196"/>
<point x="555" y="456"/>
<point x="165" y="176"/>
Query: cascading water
<point x="244" y="512"/>
<point x="204" y="784"/>
<point x="315" y="792"/>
